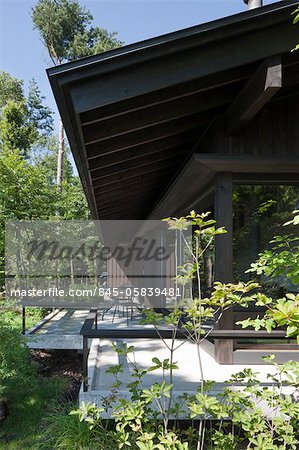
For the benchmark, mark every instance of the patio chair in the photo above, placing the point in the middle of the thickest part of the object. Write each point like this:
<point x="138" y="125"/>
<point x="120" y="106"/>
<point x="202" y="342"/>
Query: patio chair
<point x="124" y="301"/>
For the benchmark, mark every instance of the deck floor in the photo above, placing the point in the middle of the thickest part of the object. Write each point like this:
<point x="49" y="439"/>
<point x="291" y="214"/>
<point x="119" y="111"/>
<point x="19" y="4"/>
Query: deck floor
<point x="62" y="330"/>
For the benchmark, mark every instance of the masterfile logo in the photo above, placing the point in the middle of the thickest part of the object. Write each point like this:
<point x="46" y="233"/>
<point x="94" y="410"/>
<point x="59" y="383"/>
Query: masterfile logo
<point x="59" y="263"/>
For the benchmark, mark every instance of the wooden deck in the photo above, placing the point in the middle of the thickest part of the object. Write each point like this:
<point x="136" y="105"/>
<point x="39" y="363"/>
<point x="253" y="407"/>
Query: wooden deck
<point x="58" y="330"/>
<point x="61" y="328"/>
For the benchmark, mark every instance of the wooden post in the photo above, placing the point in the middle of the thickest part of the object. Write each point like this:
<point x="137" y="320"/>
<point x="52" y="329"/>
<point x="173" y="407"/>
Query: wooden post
<point x="224" y="258"/>
<point x="85" y="363"/>
<point x="23" y="320"/>
<point x="96" y="320"/>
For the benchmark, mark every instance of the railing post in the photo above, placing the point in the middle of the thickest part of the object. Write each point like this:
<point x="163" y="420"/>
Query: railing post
<point x="85" y="363"/>
<point x="96" y="320"/>
<point x="23" y="320"/>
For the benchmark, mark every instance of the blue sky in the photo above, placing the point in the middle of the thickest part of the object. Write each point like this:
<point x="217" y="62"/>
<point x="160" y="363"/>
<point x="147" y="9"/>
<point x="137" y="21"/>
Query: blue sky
<point x="23" y="55"/>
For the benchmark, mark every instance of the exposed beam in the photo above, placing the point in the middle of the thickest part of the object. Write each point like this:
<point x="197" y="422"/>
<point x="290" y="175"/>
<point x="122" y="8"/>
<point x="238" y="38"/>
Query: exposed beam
<point x="183" y="91"/>
<point x="115" y="145"/>
<point x="137" y="163"/>
<point x="150" y="180"/>
<point x="151" y="132"/>
<point x="200" y="170"/>
<point x="262" y="86"/>
<point x="131" y="186"/>
<point x="144" y="152"/>
<point x="191" y="180"/>
<point x="131" y="195"/>
<point x="113" y="211"/>
<point x="141" y="164"/>
<point x="154" y="115"/>
<point x="132" y="73"/>
<point x="199" y="61"/>
<point x="129" y="174"/>
<point x="143" y="188"/>
<point x="127" y="198"/>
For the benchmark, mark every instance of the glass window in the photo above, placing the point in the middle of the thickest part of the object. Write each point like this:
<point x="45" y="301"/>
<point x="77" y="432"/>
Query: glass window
<point x="259" y="213"/>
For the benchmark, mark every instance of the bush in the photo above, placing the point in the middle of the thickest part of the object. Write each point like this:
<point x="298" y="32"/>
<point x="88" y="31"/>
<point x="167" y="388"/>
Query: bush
<point x="64" y="432"/>
<point x="245" y="415"/>
<point x="14" y="357"/>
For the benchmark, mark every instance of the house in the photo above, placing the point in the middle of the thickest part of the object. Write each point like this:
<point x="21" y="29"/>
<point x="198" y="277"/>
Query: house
<point x="202" y="118"/>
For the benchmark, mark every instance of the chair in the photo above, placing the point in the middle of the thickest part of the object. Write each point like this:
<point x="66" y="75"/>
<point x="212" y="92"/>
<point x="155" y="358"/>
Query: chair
<point x="124" y="301"/>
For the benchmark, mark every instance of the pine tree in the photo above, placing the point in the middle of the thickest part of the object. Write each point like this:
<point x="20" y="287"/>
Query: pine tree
<point x="66" y="31"/>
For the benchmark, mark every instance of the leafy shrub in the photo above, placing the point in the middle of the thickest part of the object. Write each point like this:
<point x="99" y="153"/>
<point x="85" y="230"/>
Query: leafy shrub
<point x="14" y="357"/>
<point x="246" y="415"/>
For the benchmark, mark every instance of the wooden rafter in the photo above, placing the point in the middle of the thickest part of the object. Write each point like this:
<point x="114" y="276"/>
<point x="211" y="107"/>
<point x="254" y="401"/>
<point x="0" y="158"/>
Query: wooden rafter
<point x="262" y="86"/>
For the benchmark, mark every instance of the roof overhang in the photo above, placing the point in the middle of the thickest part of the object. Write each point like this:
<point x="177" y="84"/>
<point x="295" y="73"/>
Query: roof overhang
<point x="133" y="115"/>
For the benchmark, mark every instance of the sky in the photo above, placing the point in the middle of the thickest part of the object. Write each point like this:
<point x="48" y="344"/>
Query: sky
<point x="22" y="54"/>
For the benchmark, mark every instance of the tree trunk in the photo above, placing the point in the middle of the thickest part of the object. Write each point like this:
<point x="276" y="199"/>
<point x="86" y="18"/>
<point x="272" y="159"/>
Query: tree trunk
<point x="60" y="156"/>
<point x="208" y="268"/>
<point x="3" y="410"/>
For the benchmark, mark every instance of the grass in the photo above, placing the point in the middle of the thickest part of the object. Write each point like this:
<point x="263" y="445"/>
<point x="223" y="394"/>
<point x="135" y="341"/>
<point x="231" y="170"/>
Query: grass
<point x="66" y="432"/>
<point x="28" y="408"/>
<point x="30" y="397"/>
<point x="13" y="315"/>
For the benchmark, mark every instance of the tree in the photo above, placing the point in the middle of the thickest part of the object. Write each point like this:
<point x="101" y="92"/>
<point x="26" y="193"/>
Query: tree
<point x="40" y="115"/>
<point x="25" y="193"/>
<point x="47" y="157"/>
<point x="10" y="89"/>
<point x="16" y="131"/>
<point x="23" y="119"/>
<point x="65" y="30"/>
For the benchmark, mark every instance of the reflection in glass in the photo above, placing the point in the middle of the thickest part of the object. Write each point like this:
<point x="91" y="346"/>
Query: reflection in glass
<point x="259" y="214"/>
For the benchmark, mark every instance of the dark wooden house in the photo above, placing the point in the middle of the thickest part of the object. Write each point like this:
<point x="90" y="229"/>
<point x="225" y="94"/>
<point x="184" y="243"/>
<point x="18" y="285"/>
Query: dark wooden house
<point x="184" y="120"/>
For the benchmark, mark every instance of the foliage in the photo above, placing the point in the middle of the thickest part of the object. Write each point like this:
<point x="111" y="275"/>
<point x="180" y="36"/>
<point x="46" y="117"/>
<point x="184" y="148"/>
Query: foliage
<point x="91" y="42"/>
<point x="28" y="192"/>
<point x="14" y="356"/>
<point x="295" y="21"/>
<point x="29" y="407"/>
<point x="24" y="188"/>
<point x="66" y="31"/>
<point x="245" y="414"/>
<point x="11" y="89"/>
<point x="58" y="23"/>
<point x="63" y="431"/>
<point x="24" y="193"/>
<point x="71" y="202"/>
<point x="279" y="313"/>
<point x="45" y="154"/>
<point x="282" y="261"/>
<point x="11" y="314"/>
<point x="283" y="258"/>
<point x="259" y="214"/>
<point x="16" y="131"/>
<point x="28" y="158"/>
<point x="24" y="120"/>
<point x="40" y="115"/>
